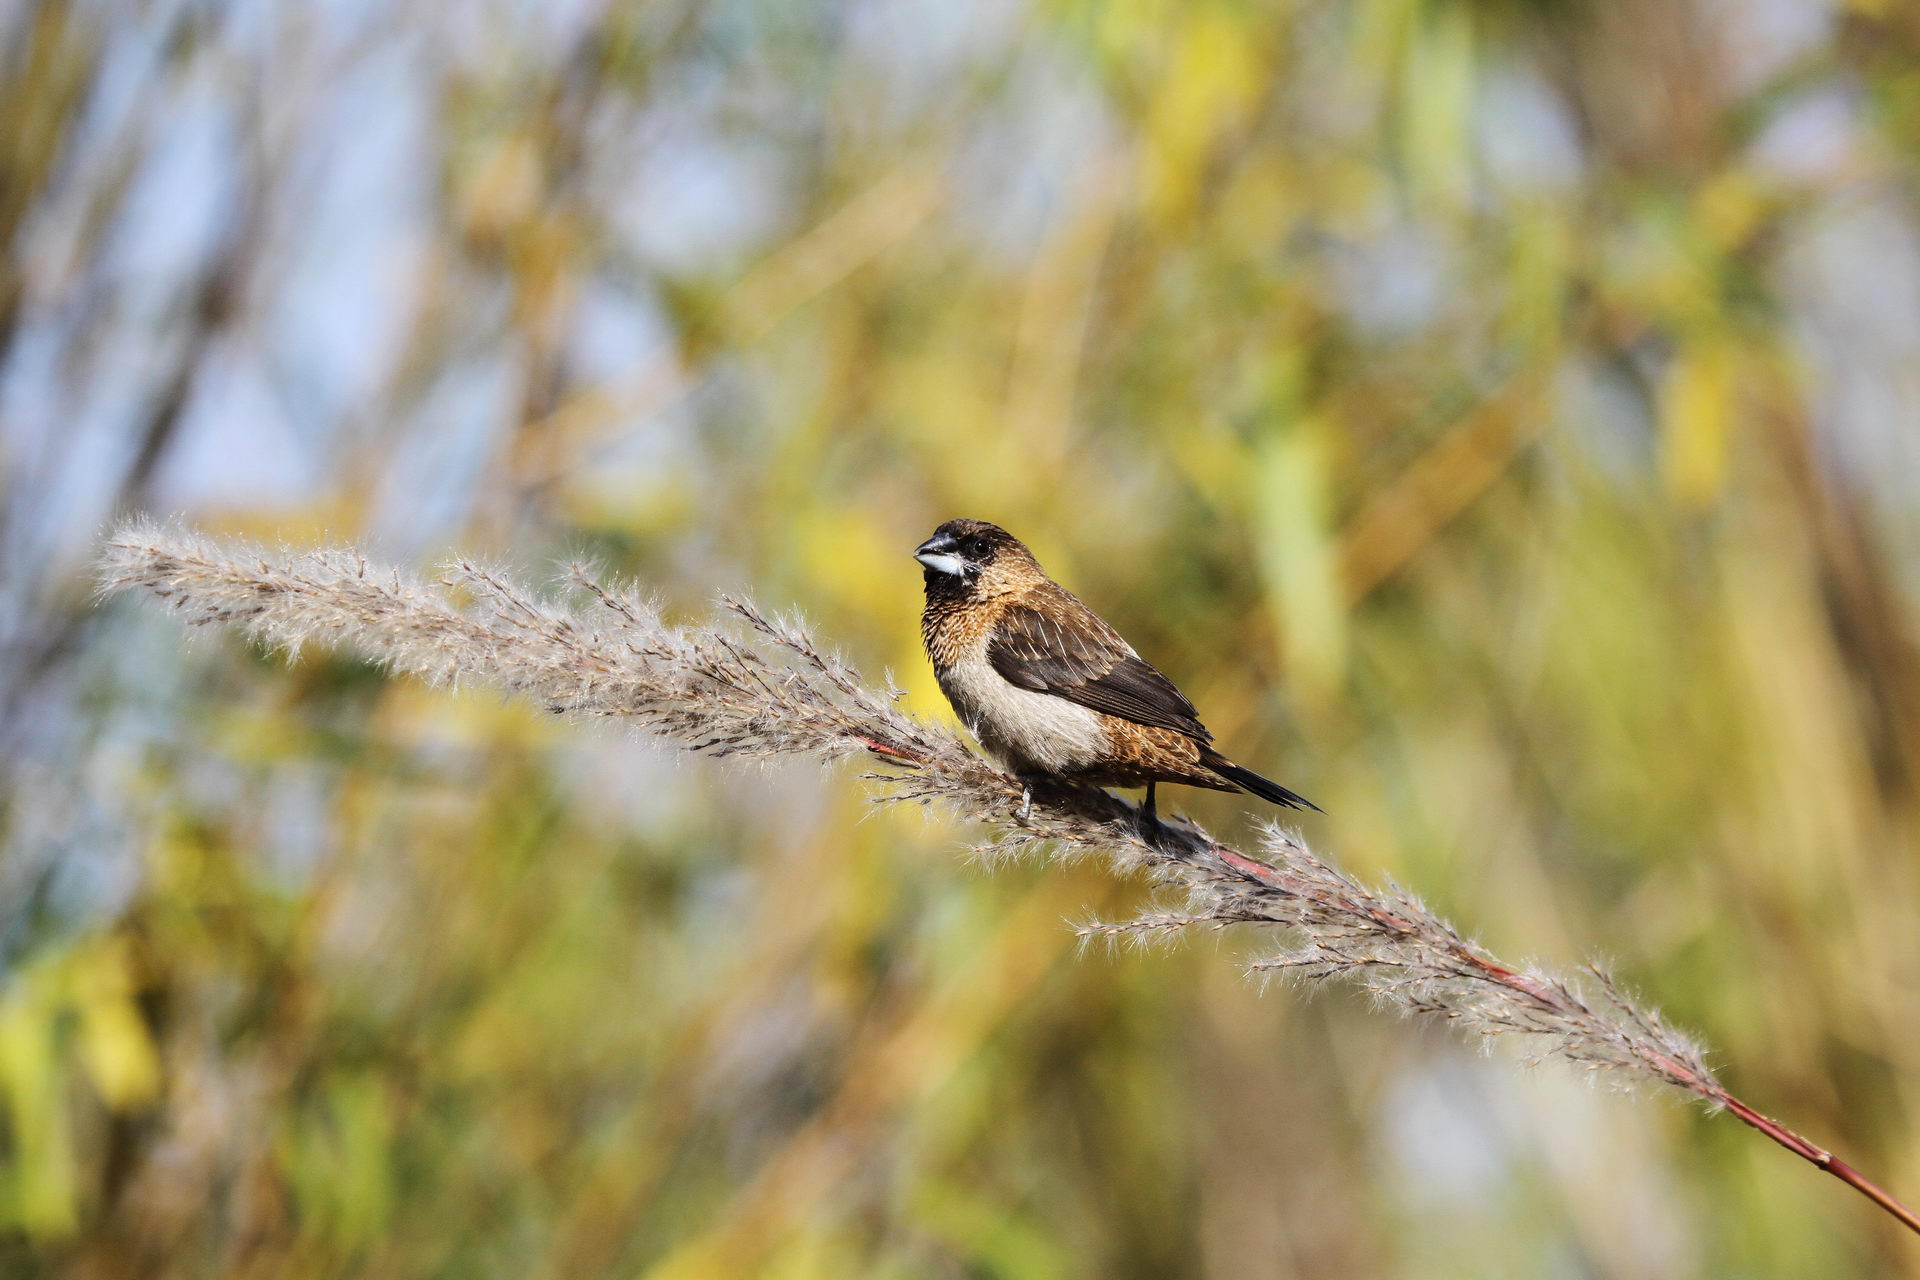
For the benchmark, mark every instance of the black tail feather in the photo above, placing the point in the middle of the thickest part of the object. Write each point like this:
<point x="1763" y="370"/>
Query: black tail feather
<point x="1248" y="780"/>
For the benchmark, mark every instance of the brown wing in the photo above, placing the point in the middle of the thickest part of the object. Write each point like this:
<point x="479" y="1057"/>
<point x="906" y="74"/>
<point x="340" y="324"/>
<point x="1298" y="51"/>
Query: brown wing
<point x="1064" y="649"/>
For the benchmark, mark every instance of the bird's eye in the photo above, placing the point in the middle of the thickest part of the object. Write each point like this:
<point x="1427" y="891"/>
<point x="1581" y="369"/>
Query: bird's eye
<point x="975" y="545"/>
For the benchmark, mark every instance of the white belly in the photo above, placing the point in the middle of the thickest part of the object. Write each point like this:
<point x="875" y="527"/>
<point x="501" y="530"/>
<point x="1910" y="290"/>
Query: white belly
<point x="1029" y="731"/>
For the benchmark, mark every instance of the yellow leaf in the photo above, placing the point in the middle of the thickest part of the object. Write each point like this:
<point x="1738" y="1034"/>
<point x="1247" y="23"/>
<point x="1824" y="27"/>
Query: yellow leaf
<point x="1212" y="76"/>
<point x="1728" y="207"/>
<point x="1299" y="553"/>
<point x="41" y="1182"/>
<point x="1436" y="106"/>
<point x="114" y="1045"/>
<point x="1696" y="411"/>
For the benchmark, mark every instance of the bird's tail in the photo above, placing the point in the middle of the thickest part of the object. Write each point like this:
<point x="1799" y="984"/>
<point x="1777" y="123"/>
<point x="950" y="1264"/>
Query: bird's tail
<point x="1248" y="780"/>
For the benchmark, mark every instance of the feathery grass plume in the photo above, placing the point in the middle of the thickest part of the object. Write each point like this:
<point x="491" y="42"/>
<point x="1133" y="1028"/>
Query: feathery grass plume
<point x="752" y="685"/>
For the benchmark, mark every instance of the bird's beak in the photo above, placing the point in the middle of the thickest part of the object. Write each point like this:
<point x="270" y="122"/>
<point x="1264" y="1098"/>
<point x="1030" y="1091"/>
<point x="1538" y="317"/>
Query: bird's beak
<point x="937" y="554"/>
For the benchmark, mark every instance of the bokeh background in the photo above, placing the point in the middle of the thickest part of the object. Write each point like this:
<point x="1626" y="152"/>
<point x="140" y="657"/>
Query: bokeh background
<point x="1500" y="416"/>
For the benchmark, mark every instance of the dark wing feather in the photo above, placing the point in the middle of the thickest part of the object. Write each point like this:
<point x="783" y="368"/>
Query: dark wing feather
<point x="1064" y="649"/>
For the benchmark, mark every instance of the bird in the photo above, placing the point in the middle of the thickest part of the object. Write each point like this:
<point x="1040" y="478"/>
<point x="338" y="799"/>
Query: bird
<point x="1052" y="691"/>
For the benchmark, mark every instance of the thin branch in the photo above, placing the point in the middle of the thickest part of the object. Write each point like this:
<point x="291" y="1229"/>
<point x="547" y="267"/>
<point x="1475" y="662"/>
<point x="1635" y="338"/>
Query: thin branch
<point x="762" y="687"/>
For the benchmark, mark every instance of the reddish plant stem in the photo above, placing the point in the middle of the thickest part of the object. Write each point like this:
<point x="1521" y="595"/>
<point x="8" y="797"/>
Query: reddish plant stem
<point x="880" y="748"/>
<point x="1821" y="1158"/>
<point x="1678" y="1072"/>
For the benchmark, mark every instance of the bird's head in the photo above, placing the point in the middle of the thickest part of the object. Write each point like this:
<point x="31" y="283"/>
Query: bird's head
<point x="971" y="556"/>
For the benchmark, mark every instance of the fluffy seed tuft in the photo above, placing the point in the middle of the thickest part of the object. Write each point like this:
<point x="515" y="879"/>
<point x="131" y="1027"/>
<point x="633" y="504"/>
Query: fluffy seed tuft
<point x="757" y="686"/>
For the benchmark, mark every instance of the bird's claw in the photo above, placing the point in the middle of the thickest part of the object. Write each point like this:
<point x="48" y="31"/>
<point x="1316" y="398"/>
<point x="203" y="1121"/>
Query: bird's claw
<point x="1026" y="803"/>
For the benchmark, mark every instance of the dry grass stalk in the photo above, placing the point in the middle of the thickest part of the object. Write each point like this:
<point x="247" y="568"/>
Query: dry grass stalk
<point x="759" y="686"/>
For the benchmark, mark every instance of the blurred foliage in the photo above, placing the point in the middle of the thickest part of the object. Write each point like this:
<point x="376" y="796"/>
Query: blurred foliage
<point x="1497" y="415"/>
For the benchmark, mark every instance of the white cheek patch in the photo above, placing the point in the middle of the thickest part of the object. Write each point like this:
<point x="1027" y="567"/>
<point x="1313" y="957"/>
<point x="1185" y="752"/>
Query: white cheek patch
<point x="939" y="563"/>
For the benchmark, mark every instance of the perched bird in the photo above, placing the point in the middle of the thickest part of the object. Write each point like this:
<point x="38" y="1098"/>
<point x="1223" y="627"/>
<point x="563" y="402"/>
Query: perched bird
<point x="1048" y="687"/>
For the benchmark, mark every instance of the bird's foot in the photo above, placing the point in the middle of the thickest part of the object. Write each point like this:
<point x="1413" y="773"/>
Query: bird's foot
<point x="1026" y="803"/>
<point x="1149" y="817"/>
